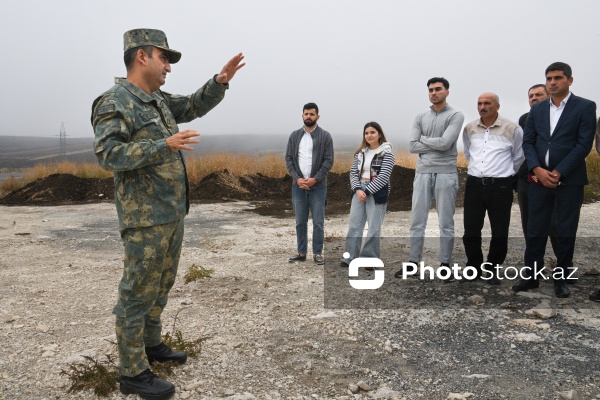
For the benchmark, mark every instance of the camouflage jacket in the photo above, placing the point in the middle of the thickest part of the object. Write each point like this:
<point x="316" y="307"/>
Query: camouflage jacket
<point x="130" y="128"/>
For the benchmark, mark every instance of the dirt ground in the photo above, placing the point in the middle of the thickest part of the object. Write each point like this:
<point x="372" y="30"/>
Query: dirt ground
<point x="272" y="335"/>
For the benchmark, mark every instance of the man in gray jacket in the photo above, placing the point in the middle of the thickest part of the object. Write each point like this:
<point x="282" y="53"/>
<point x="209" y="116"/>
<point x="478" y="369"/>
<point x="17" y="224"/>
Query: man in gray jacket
<point x="433" y="137"/>
<point x="309" y="158"/>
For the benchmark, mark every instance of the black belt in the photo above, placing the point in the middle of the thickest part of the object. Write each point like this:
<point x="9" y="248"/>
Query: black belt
<point x="490" y="181"/>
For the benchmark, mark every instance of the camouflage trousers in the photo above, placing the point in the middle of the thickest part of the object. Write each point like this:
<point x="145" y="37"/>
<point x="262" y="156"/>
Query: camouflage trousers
<point x="149" y="271"/>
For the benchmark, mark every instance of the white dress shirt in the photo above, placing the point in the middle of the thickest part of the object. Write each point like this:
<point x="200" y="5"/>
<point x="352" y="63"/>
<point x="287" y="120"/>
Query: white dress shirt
<point x="555" y="113"/>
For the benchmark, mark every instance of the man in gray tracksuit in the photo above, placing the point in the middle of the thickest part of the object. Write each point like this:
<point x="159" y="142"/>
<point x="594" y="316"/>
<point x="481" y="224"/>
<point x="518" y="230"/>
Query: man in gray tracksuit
<point x="433" y="137"/>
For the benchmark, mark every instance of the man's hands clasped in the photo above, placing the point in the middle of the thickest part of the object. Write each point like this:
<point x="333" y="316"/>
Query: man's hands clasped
<point x="547" y="178"/>
<point x="306" y="184"/>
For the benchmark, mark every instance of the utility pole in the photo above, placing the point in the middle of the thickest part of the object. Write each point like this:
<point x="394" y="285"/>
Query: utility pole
<point x="62" y="156"/>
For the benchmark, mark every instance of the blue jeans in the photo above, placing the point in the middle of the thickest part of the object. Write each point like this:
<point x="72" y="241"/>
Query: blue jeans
<point x="442" y="188"/>
<point x="359" y="214"/>
<point x="303" y="201"/>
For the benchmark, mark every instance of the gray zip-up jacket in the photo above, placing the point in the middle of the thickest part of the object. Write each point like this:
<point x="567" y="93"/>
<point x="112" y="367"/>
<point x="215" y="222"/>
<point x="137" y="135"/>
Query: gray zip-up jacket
<point x="433" y="137"/>
<point x="322" y="156"/>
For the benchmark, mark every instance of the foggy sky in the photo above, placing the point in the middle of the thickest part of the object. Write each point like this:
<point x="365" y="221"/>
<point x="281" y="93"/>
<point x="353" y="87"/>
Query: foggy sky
<point x="358" y="60"/>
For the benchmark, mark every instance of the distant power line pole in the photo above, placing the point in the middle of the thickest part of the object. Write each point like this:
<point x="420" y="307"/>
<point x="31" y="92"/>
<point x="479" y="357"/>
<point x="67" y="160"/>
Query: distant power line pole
<point x="63" y="142"/>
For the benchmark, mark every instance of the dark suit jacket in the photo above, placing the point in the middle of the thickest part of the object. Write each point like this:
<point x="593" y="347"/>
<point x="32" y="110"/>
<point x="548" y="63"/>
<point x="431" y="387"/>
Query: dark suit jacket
<point x="570" y="143"/>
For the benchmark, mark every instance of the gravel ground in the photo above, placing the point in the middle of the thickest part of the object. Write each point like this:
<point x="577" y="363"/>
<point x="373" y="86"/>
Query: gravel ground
<point x="271" y="337"/>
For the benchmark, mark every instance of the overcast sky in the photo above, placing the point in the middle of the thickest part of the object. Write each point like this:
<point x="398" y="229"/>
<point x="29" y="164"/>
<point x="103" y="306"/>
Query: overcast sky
<point x="358" y="60"/>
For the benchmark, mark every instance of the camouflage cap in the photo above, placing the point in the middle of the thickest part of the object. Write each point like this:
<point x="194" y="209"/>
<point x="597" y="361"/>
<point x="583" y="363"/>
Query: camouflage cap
<point x="149" y="37"/>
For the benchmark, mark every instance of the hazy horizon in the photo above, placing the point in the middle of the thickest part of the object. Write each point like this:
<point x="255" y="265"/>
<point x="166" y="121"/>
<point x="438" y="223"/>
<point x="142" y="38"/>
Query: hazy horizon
<point x="359" y="61"/>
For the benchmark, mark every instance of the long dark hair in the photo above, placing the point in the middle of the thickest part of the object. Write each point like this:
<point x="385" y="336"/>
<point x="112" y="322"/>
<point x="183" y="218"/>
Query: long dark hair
<point x="378" y="128"/>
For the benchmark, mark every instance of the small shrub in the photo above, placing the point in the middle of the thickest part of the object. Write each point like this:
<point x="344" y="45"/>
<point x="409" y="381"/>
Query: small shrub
<point x="197" y="272"/>
<point x="177" y="341"/>
<point x="101" y="377"/>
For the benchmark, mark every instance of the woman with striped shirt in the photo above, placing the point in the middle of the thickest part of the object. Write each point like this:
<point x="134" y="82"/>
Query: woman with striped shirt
<point x="370" y="182"/>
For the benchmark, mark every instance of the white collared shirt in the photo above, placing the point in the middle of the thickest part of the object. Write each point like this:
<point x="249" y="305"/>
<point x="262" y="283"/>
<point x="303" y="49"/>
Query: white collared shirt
<point x="305" y="153"/>
<point x="493" y="151"/>
<point x="555" y="113"/>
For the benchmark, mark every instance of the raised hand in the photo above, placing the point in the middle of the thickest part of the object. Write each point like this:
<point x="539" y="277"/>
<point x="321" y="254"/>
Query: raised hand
<point x="230" y="69"/>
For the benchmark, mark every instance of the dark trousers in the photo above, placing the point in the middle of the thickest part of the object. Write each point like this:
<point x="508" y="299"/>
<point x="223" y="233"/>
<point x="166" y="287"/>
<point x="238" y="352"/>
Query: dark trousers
<point x="495" y="199"/>
<point x="567" y="200"/>
<point x="523" y="195"/>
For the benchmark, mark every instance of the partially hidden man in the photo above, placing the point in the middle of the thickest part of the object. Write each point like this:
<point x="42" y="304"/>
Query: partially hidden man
<point x="136" y="136"/>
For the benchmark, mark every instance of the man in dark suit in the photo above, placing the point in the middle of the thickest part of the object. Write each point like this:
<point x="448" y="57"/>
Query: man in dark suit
<point x="559" y="134"/>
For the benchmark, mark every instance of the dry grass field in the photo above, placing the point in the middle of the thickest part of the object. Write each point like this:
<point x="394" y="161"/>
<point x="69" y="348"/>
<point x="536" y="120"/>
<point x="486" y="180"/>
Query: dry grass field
<point x="271" y="165"/>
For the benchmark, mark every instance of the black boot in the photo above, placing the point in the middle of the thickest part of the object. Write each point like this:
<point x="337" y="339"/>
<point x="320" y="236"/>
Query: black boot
<point x="147" y="386"/>
<point x="162" y="353"/>
<point x="528" y="282"/>
<point x="560" y="288"/>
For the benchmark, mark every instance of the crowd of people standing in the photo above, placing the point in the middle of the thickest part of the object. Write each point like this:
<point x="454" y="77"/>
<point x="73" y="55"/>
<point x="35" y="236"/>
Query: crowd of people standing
<point x="542" y="158"/>
<point x="137" y="136"/>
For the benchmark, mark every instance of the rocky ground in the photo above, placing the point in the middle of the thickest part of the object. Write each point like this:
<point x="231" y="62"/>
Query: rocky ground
<point x="271" y="335"/>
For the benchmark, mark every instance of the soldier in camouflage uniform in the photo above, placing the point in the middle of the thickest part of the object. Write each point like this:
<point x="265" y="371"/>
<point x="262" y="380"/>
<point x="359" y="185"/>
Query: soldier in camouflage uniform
<point x="137" y="137"/>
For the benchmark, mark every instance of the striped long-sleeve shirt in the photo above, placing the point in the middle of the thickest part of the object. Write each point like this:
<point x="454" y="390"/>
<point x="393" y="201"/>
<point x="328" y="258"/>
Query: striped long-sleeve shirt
<point x="381" y="169"/>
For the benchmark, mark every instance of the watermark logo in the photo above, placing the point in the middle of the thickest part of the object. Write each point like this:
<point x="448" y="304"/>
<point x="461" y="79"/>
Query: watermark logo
<point x="365" y="262"/>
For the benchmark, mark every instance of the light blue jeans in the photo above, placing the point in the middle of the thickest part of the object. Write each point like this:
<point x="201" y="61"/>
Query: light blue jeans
<point x="303" y="201"/>
<point x="360" y="213"/>
<point x="442" y="188"/>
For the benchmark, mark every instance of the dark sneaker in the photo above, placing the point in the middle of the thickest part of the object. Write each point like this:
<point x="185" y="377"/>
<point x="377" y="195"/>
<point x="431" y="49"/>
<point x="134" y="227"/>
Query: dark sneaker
<point x="595" y="296"/>
<point x="147" y="386"/>
<point x="450" y="278"/>
<point x="319" y="259"/>
<point x="297" y="258"/>
<point x="399" y="273"/>
<point x="163" y="353"/>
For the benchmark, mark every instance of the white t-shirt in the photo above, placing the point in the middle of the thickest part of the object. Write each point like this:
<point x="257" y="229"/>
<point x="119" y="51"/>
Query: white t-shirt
<point x="366" y="168"/>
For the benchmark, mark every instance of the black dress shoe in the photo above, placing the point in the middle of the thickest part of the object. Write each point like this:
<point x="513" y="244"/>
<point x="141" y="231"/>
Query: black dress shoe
<point x="494" y="280"/>
<point x="163" y="353"/>
<point x="297" y="258"/>
<point x="561" y="290"/>
<point x="147" y="386"/>
<point x="595" y="296"/>
<point x="524" y="285"/>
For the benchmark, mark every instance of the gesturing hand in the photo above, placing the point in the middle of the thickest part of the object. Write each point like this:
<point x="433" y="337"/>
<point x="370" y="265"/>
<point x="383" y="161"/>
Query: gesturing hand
<point x="230" y="69"/>
<point x="180" y="140"/>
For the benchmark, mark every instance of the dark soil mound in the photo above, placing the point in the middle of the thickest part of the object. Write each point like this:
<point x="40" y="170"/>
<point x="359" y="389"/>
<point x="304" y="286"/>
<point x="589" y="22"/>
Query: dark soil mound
<point x="272" y="196"/>
<point x="61" y="189"/>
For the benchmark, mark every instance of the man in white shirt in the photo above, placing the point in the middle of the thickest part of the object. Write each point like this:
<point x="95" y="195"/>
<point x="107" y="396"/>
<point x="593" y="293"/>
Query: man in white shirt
<point x="309" y="158"/>
<point x="492" y="146"/>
